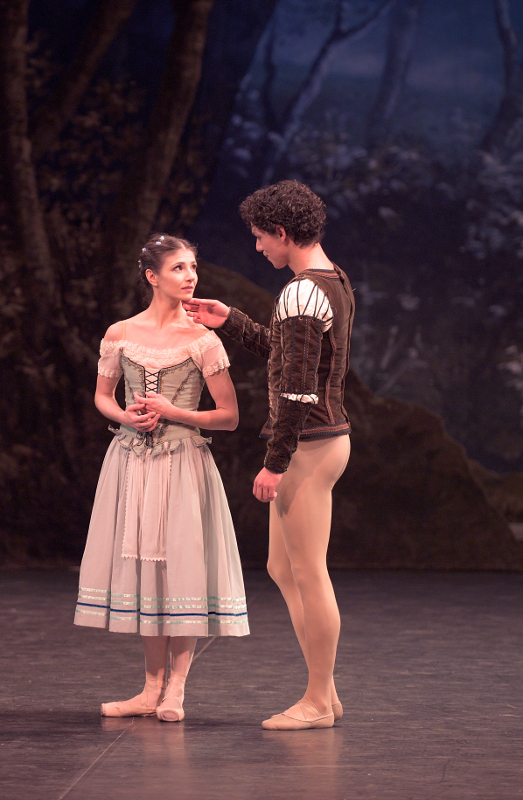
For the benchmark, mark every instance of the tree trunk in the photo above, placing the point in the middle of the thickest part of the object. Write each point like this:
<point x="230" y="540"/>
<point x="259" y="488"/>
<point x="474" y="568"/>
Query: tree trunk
<point x="141" y="192"/>
<point x="313" y="83"/>
<point x="18" y="166"/>
<point x="235" y="28"/>
<point x="41" y="357"/>
<point x="505" y="137"/>
<point x="52" y="117"/>
<point x="400" y="44"/>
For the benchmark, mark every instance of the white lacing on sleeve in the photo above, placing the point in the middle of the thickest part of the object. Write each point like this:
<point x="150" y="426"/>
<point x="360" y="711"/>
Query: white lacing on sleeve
<point x="217" y="366"/>
<point x="302" y="398"/>
<point x="304" y="298"/>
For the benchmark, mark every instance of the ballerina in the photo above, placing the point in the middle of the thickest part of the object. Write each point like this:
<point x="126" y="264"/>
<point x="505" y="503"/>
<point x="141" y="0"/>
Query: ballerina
<point x="161" y="557"/>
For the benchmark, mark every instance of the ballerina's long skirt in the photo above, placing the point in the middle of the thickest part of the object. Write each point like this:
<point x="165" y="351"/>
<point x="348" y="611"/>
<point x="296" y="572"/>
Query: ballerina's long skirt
<point x="161" y="556"/>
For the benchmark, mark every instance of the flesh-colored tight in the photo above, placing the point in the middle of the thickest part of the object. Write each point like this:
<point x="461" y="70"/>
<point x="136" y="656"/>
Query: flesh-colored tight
<point x="300" y="523"/>
<point x="156" y="648"/>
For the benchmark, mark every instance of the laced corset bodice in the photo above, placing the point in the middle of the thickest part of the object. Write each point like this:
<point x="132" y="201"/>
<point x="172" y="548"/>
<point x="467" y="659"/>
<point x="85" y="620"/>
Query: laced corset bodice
<point x="177" y="373"/>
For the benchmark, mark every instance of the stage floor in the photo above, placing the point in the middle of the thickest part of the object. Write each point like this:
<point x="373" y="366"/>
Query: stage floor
<point x="430" y="672"/>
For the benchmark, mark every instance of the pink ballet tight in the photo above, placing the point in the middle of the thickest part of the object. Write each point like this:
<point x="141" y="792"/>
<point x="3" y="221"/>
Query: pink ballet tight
<point x="156" y="648"/>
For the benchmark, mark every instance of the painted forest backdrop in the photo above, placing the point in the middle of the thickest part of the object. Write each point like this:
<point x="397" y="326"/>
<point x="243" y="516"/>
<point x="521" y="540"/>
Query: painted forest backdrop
<point x="406" y="116"/>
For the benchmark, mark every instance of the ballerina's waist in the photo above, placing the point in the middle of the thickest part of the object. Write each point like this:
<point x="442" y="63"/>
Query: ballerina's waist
<point x="165" y="437"/>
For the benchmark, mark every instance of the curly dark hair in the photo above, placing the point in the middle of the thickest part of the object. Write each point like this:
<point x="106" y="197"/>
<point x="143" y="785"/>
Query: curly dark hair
<point x="153" y="254"/>
<point x="290" y="204"/>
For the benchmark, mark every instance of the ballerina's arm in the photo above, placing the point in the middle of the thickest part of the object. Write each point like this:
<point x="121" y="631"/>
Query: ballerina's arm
<point x="222" y="418"/>
<point x="135" y="416"/>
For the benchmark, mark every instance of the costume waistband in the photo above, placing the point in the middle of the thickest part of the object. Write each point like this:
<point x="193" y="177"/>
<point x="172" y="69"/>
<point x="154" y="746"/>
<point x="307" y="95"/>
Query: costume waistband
<point x="164" y="438"/>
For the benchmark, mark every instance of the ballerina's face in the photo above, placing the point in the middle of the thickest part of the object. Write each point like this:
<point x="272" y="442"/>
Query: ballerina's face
<point x="177" y="278"/>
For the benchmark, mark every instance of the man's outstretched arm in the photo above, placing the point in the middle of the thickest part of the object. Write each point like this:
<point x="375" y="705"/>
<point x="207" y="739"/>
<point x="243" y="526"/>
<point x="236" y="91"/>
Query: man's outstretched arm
<point x="251" y="335"/>
<point x="234" y="323"/>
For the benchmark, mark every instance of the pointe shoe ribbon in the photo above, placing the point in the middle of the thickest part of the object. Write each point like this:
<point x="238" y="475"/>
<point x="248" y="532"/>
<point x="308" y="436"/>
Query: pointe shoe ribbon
<point x="298" y="718"/>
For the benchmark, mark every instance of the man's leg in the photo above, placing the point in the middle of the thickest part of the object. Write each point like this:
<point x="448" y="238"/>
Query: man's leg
<point x="279" y="568"/>
<point x="303" y="509"/>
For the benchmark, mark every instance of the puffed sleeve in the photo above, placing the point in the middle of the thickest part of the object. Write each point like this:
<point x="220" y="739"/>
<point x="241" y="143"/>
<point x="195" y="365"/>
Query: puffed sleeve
<point x="305" y="315"/>
<point x="210" y="355"/>
<point x="109" y="365"/>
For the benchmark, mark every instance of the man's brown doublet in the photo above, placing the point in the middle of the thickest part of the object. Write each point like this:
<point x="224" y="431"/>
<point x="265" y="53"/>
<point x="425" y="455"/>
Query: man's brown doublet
<point x="303" y="360"/>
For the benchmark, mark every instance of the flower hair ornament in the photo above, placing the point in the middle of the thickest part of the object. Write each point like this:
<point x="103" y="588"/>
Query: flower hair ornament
<point x="144" y="249"/>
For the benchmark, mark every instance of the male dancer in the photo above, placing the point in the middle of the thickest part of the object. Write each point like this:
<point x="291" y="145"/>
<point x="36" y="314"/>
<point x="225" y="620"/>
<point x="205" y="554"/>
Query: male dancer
<point x="307" y="346"/>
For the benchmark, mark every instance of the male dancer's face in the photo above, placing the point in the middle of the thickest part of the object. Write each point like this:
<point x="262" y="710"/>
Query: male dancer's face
<point x="274" y="246"/>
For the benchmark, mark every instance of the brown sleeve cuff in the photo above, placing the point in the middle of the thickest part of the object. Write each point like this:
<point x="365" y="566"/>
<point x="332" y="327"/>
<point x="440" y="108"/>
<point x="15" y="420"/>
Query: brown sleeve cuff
<point x="284" y="440"/>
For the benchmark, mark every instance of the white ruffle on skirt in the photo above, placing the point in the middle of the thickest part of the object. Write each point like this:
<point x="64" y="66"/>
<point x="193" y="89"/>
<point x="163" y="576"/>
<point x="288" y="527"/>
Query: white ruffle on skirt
<point x="161" y="556"/>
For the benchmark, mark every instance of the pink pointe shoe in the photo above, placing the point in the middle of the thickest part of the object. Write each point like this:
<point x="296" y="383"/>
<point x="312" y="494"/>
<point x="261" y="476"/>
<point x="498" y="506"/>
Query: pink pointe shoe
<point x="143" y="705"/>
<point x="171" y="707"/>
<point x="300" y="717"/>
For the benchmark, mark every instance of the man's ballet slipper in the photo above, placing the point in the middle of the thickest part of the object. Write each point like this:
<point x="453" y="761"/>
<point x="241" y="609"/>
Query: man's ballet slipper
<point x="171" y="707"/>
<point x="136" y="707"/>
<point x="337" y="710"/>
<point x="297" y="718"/>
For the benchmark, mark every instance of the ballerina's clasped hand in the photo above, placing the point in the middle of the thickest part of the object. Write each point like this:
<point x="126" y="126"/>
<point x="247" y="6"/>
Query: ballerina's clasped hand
<point x="156" y="406"/>
<point x="137" y="416"/>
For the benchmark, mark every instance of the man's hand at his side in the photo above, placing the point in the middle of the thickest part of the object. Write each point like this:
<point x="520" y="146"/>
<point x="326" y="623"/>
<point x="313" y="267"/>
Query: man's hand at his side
<point x="265" y="485"/>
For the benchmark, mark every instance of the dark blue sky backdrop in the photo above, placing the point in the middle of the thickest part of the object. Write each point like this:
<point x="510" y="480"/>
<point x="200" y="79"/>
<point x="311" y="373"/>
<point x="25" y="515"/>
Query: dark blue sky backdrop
<point x="451" y="94"/>
<point x="450" y="98"/>
<point x="457" y="54"/>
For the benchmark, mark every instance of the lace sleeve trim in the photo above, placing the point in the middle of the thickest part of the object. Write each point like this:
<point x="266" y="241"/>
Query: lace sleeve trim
<point x="164" y="357"/>
<point x="110" y="373"/>
<point x="207" y="341"/>
<point x="217" y="366"/>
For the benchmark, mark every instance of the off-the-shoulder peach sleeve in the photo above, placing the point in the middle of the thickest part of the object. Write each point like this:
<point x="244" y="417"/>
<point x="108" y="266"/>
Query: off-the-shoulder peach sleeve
<point x="109" y="365"/>
<point x="210" y="355"/>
